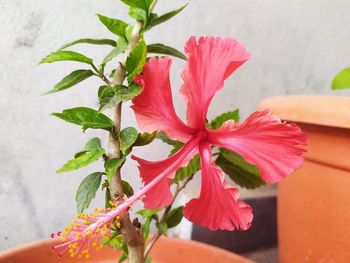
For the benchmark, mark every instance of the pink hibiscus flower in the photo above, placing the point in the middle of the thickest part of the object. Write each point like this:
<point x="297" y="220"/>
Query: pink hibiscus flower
<point x="275" y="147"/>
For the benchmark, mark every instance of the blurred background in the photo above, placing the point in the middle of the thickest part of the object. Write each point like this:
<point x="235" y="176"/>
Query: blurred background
<point x="296" y="48"/>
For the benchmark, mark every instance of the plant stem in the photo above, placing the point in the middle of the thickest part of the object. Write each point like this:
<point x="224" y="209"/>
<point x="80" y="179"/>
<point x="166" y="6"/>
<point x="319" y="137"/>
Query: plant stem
<point x="166" y="212"/>
<point x="132" y="234"/>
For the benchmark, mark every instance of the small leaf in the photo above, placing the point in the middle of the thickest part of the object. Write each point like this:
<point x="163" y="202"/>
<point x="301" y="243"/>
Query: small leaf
<point x="72" y="79"/>
<point x="174" y="217"/>
<point x="161" y="135"/>
<point x="136" y="59"/>
<point x="163" y="228"/>
<point x="145" y="138"/>
<point x="163" y="49"/>
<point x="66" y="56"/>
<point x="231" y="115"/>
<point x="138" y="13"/>
<point x="148" y="260"/>
<point x="81" y="160"/>
<point x="143" y="4"/>
<point x="121" y="47"/>
<point x="93" y="144"/>
<point x="124" y="93"/>
<point x="148" y="213"/>
<point x="127" y="188"/>
<point x="105" y="95"/>
<point x="86" y="117"/>
<point x="90" y="41"/>
<point x="116" y="241"/>
<point x="112" y="165"/>
<point x="163" y="18"/>
<point x="128" y="137"/>
<point x="342" y="80"/>
<point x="146" y="228"/>
<point x="116" y="26"/>
<point x="244" y="174"/>
<point x="185" y="172"/>
<point x="87" y="191"/>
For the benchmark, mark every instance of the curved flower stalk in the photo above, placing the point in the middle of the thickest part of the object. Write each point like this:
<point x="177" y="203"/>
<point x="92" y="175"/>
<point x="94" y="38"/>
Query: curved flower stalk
<point x="275" y="147"/>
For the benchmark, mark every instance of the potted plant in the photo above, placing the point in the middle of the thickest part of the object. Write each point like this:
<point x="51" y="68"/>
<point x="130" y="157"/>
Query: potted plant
<point x="313" y="203"/>
<point x="258" y="150"/>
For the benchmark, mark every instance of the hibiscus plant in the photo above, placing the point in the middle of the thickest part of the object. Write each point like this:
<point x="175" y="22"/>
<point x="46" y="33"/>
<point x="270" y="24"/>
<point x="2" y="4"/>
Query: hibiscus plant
<point x="259" y="150"/>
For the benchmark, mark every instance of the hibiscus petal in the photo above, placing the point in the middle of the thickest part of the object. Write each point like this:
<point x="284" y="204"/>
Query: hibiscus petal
<point x="160" y="195"/>
<point x="210" y="62"/>
<point x="154" y="107"/>
<point x="275" y="147"/>
<point x="218" y="206"/>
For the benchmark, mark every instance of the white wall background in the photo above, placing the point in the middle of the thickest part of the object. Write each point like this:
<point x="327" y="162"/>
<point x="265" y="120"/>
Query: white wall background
<point x="296" y="46"/>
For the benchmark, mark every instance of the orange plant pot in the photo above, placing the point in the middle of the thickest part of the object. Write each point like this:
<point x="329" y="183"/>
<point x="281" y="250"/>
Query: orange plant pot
<point x="166" y="250"/>
<point x="314" y="202"/>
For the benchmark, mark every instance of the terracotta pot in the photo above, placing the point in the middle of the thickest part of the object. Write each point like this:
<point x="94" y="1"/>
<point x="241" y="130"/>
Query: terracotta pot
<point x="314" y="202"/>
<point x="166" y="250"/>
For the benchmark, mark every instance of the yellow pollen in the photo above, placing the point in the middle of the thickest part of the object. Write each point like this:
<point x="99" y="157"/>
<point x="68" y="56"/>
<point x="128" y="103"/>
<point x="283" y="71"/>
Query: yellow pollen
<point x="78" y="236"/>
<point x="94" y="244"/>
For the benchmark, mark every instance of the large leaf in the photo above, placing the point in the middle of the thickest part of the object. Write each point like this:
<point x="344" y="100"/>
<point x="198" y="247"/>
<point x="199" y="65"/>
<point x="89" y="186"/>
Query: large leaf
<point x="230" y="115"/>
<point x="66" y="56"/>
<point x="112" y="165"/>
<point x="156" y="20"/>
<point x="244" y="174"/>
<point x="87" y="191"/>
<point x="136" y="59"/>
<point x="81" y="160"/>
<point x="174" y="217"/>
<point x="121" y="47"/>
<point x="128" y="137"/>
<point x="163" y="49"/>
<point x="86" y="117"/>
<point x="72" y="79"/>
<point x="114" y="25"/>
<point x="342" y="80"/>
<point x="94" y="41"/>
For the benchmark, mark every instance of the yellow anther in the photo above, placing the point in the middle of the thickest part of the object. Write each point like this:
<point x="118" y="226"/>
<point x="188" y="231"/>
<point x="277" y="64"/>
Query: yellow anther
<point x="78" y="236"/>
<point x="85" y="251"/>
<point x="94" y="244"/>
<point x="117" y="224"/>
<point x="87" y="256"/>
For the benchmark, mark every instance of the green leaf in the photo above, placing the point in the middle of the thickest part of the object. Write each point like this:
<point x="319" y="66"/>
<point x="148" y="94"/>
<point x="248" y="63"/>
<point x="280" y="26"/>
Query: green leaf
<point x="148" y="213"/>
<point x="124" y="93"/>
<point x="116" y="26"/>
<point x="143" y="4"/>
<point x="174" y="217"/>
<point x="161" y="135"/>
<point x="138" y="13"/>
<point x="86" y="117"/>
<point x="163" y="18"/>
<point x="127" y="188"/>
<point x="146" y="228"/>
<point x="105" y="95"/>
<point x="112" y="165"/>
<point x="231" y="115"/>
<point x="87" y="191"/>
<point x="244" y="174"/>
<point x="66" y="56"/>
<point x="188" y="171"/>
<point x="145" y="138"/>
<point x="163" y="49"/>
<point x="121" y="47"/>
<point x="128" y="137"/>
<point x="342" y="80"/>
<point x="148" y="260"/>
<point x="136" y="59"/>
<point x="163" y="228"/>
<point x="93" y="144"/>
<point x="94" y="41"/>
<point x="116" y="241"/>
<point x="81" y="160"/>
<point x="72" y="79"/>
